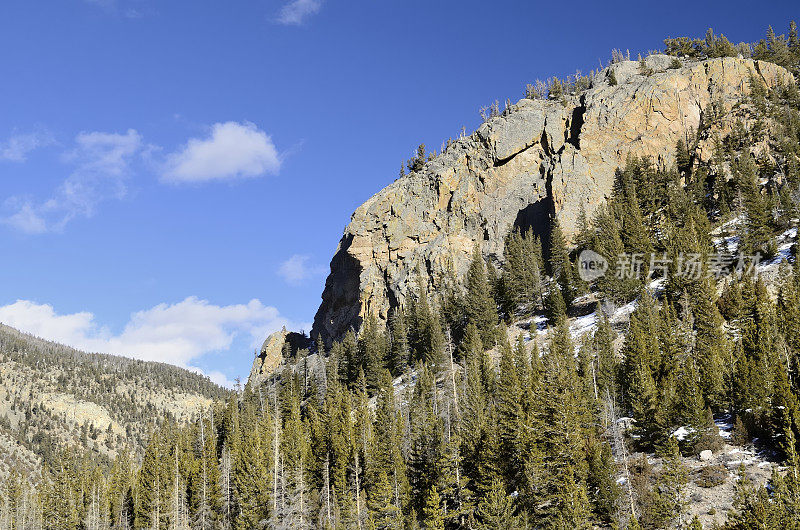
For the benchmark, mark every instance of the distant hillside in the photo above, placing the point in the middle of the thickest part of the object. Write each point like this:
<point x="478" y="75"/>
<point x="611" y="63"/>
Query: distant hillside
<point x="53" y="397"/>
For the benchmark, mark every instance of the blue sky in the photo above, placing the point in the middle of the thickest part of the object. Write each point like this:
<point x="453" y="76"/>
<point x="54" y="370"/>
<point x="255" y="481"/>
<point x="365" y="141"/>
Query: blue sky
<point x="176" y="174"/>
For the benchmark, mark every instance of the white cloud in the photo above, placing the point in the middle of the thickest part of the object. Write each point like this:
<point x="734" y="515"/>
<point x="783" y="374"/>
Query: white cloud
<point x="178" y="333"/>
<point x="42" y="321"/>
<point x="232" y="151"/>
<point x="102" y="164"/>
<point x="17" y="147"/>
<point x="297" y="269"/>
<point x="25" y="219"/>
<point x="295" y="12"/>
<point x="221" y="379"/>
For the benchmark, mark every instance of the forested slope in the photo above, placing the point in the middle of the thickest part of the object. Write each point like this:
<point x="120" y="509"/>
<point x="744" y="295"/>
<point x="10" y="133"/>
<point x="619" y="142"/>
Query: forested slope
<point x="54" y="398"/>
<point x="526" y="393"/>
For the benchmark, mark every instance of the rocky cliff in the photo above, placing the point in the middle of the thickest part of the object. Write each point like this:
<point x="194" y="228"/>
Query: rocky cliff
<point x="540" y="158"/>
<point x="273" y="351"/>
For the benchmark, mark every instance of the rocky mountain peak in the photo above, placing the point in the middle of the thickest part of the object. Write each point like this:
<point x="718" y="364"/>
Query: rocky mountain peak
<point x="539" y="159"/>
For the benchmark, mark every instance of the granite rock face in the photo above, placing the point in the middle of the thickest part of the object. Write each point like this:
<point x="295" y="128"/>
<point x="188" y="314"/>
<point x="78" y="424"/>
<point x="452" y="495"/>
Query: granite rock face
<point x="268" y="359"/>
<point x="539" y="159"/>
<point x="272" y="353"/>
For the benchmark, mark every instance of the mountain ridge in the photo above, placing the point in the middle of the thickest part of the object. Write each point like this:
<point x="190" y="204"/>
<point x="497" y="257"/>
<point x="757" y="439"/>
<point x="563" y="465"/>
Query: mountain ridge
<point x="53" y="396"/>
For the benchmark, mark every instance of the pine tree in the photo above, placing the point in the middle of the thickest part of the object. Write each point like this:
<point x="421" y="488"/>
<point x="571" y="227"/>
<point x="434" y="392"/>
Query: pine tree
<point x="351" y="361"/>
<point x="721" y="193"/>
<point x="294" y="448"/>
<point x="252" y="469"/>
<point x="471" y="345"/>
<point x="510" y="414"/>
<point x="564" y="413"/>
<point x="673" y="339"/>
<point x="706" y="434"/>
<point x="340" y="437"/>
<point x="608" y="243"/>
<point x="228" y="507"/>
<point x="521" y="279"/>
<point x="606" y="361"/>
<point x="628" y="210"/>
<point x="176" y="502"/>
<point x="690" y="406"/>
<point x="756" y="366"/>
<point x="756" y="236"/>
<point x="477" y="433"/>
<point x="479" y="304"/>
<point x="646" y="407"/>
<point x="584" y="234"/>
<point x="573" y="503"/>
<point x="785" y="416"/>
<point x="643" y="68"/>
<point x="151" y="485"/>
<point x="417" y="162"/>
<point x="602" y="488"/>
<point x="641" y="348"/>
<point x="60" y="495"/>
<point x="682" y="158"/>
<point x="432" y="512"/>
<point x="426" y="337"/>
<point x="372" y="351"/>
<point x="496" y="510"/>
<point x="387" y="456"/>
<point x="672" y="483"/>
<point x="425" y="436"/>
<point x="560" y="267"/>
<point x="384" y="512"/>
<point x="556" y="306"/>
<point x="488" y="467"/>
<point x="709" y="348"/>
<point x="789" y="308"/>
<point x="399" y="349"/>
<point x="435" y="341"/>
<point x="204" y="482"/>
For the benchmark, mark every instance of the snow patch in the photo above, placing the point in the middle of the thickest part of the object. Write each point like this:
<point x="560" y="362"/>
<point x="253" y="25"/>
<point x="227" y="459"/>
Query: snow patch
<point x="785" y="242"/>
<point x="624" y="311"/>
<point x="725" y="427"/>
<point x="583" y="325"/>
<point x="681" y="433"/>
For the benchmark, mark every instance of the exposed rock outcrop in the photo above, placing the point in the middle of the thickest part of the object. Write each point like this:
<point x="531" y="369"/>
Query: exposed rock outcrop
<point x="539" y="159"/>
<point x="276" y="346"/>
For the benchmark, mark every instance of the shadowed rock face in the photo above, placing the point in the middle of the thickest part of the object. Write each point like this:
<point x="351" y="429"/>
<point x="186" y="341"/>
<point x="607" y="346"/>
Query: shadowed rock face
<point x="540" y="159"/>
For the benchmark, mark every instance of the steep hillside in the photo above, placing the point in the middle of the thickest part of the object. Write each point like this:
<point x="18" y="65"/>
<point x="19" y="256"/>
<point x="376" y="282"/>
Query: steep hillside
<point x="54" y="397"/>
<point x="541" y="157"/>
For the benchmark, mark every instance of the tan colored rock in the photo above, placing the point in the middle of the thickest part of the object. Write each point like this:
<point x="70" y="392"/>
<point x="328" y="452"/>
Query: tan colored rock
<point x="268" y="358"/>
<point x="540" y="159"/>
